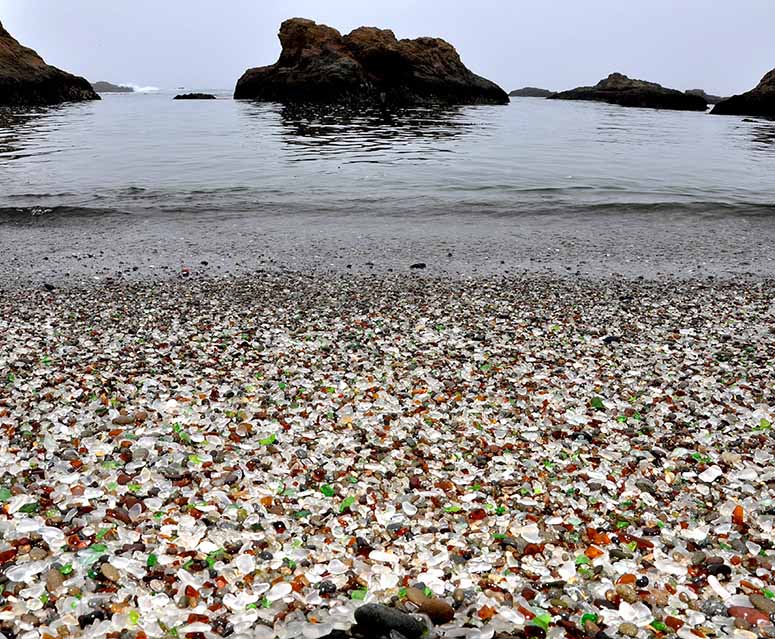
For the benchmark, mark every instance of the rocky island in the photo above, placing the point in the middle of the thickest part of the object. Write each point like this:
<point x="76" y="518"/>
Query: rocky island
<point x="760" y="101"/>
<point x="627" y="92"/>
<point x="531" y="92"/>
<point x="708" y="97"/>
<point x="108" y="87"/>
<point x="195" y="96"/>
<point x="369" y="65"/>
<point x="26" y="80"/>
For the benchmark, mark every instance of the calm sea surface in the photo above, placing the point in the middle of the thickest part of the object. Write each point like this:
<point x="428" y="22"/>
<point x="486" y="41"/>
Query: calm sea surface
<point x="144" y="154"/>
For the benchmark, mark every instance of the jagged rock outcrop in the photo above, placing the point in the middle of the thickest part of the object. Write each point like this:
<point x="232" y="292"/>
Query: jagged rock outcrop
<point x="760" y="101"/>
<point x="108" y="87"/>
<point x="624" y="91"/>
<point x="318" y="64"/>
<point x="709" y="98"/>
<point x="195" y="96"/>
<point x="26" y="80"/>
<point x="531" y="92"/>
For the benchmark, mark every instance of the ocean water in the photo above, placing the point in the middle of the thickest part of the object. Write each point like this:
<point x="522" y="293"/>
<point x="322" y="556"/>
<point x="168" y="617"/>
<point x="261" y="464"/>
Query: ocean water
<point x="147" y="155"/>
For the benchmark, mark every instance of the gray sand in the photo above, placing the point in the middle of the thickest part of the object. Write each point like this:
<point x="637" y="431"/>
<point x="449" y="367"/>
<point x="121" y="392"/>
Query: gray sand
<point x="89" y="248"/>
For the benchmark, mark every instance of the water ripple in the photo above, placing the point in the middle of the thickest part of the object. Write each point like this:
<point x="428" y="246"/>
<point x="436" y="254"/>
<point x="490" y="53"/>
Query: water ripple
<point x="145" y="154"/>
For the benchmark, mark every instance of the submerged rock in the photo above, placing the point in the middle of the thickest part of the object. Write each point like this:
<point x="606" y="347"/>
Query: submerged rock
<point x="759" y="101"/>
<point x="107" y="87"/>
<point x="531" y="92"/>
<point x="318" y="64"/>
<point x="26" y="80"/>
<point x="624" y="91"/>
<point x="195" y="96"/>
<point x="709" y="98"/>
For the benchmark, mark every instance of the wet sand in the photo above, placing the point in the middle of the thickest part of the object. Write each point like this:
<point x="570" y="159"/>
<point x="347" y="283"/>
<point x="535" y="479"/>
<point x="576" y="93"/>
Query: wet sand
<point x="74" y="248"/>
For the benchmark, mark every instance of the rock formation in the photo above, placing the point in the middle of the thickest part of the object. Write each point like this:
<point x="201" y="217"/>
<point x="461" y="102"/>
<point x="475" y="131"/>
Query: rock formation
<point x="710" y="99"/>
<point x="624" y="91"/>
<point x="370" y="65"/>
<point x="531" y="92"/>
<point x="26" y="80"/>
<point x="107" y="87"/>
<point x="195" y="96"/>
<point x="759" y="101"/>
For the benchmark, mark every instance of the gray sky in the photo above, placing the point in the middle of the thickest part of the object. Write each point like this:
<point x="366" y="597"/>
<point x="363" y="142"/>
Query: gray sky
<point x="723" y="47"/>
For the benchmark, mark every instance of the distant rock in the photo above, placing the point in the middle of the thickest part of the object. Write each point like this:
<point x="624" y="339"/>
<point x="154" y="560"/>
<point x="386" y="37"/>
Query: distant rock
<point x="624" y="91"/>
<point x="531" y="92"/>
<point x="26" y="80"/>
<point x="370" y="65"/>
<point x="195" y="96"/>
<point x="710" y="99"/>
<point x="107" y="87"/>
<point x="759" y="101"/>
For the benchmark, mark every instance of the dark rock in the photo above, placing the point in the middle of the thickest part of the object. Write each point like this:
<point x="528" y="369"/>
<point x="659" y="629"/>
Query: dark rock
<point x="719" y="570"/>
<point x="759" y="101"/>
<point x="107" y="87"/>
<point x="534" y="632"/>
<point x="26" y="80"/>
<point x="710" y="99"/>
<point x="370" y="65"/>
<point x="381" y="620"/>
<point x="531" y="92"/>
<point x="195" y="96"/>
<point x="624" y="91"/>
<point x="419" y="266"/>
<point x="90" y="618"/>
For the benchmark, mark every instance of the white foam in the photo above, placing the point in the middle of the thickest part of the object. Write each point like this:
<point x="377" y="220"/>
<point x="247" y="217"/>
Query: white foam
<point x="139" y="89"/>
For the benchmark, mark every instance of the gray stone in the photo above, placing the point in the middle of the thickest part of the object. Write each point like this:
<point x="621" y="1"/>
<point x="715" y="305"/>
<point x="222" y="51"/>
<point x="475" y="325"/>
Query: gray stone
<point x="760" y="602"/>
<point x="713" y="608"/>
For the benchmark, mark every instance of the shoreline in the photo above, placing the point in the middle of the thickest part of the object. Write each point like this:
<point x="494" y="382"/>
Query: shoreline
<point x="277" y="450"/>
<point x="91" y="249"/>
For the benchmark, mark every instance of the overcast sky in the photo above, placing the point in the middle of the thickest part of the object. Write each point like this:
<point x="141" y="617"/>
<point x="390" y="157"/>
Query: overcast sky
<point x="723" y="47"/>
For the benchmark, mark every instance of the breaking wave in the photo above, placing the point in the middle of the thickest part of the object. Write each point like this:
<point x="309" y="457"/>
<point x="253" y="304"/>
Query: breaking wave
<point x="140" y="89"/>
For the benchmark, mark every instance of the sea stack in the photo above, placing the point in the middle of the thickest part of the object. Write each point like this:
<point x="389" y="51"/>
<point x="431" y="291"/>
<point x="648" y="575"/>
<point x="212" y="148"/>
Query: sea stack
<point x="759" y="101"/>
<point x="26" y="80"/>
<point x="109" y="87"/>
<point x="531" y="92"/>
<point x="369" y="65"/>
<point x="708" y="97"/>
<point x="195" y="96"/>
<point x="626" y="92"/>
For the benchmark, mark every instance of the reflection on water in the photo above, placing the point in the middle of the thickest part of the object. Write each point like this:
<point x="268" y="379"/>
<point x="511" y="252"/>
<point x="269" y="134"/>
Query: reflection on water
<point x="11" y="127"/>
<point x="28" y="132"/>
<point x="763" y="134"/>
<point x="367" y="134"/>
<point x="148" y="154"/>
